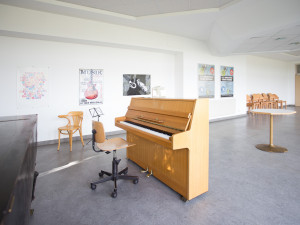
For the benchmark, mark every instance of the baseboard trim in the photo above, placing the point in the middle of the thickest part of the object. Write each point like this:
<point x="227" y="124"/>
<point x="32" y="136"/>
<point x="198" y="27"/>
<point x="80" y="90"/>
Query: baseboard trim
<point x="227" y="118"/>
<point x="77" y="138"/>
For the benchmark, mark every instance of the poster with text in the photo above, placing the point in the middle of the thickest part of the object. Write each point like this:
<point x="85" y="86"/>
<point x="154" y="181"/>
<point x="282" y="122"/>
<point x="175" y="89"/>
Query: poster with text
<point x="90" y="86"/>
<point x="32" y="87"/>
<point x="136" y="84"/>
<point x="227" y="74"/>
<point x="206" y="81"/>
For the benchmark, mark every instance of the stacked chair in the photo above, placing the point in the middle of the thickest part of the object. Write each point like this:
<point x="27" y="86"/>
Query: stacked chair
<point x="264" y="101"/>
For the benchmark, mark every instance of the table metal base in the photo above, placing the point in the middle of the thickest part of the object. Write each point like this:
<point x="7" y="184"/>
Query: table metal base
<point x="271" y="148"/>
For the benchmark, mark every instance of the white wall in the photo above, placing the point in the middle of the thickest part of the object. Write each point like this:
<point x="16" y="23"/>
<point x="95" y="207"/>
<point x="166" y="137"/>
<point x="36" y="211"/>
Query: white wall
<point x="64" y="61"/>
<point x="219" y="107"/>
<point x="65" y="44"/>
<point x="271" y="76"/>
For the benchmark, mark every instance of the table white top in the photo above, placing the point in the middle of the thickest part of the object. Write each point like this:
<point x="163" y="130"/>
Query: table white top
<point x="273" y="111"/>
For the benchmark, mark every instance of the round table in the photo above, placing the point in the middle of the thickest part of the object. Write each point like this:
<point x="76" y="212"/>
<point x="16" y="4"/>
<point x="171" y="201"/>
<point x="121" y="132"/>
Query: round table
<point x="271" y="147"/>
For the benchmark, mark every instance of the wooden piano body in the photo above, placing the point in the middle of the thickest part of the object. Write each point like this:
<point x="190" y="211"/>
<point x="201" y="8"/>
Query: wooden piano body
<point x="181" y="161"/>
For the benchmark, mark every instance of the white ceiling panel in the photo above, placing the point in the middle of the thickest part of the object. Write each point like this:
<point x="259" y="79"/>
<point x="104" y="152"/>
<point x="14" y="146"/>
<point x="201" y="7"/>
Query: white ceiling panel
<point x="204" y="4"/>
<point x="149" y="7"/>
<point x="295" y="53"/>
<point x="289" y="31"/>
<point x="227" y="26"/>
<point x="171" y="6"/>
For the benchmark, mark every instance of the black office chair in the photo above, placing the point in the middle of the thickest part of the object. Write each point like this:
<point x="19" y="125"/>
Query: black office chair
<point x="107" y="146"/>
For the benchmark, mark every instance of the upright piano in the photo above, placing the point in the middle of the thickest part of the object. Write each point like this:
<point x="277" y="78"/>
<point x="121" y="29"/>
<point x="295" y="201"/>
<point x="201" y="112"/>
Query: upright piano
<point x="172" y="141"/>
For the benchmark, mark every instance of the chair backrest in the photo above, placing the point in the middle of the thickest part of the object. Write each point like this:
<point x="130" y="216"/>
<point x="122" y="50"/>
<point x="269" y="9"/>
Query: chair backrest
<point x="272" y="97"/>
<point x="256" y="97"/>
<point x="100" y="133"/>
<point x="265" y="97"/>
<point x="276" y="97"/>
<point x="248" y="98"/>
<point x="75" y="118"/>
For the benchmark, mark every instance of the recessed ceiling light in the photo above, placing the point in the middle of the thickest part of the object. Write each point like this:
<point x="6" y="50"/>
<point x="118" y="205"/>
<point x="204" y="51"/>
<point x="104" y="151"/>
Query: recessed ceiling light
<point x="280" y="38"/>
<point x="255" y="37"/>
<point x="294" y="43"/>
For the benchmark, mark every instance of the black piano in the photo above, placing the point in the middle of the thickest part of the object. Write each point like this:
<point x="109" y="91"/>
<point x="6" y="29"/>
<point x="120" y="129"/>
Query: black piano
<point x="18" y="138"/>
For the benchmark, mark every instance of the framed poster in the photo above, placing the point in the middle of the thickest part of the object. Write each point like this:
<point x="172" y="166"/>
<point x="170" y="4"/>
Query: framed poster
<point x="206" y="81"/>
<point x="90" y="86"/>
<point x="32" y="86"/>
<point x="136" y="84"/>
<point x="227" y="74"/>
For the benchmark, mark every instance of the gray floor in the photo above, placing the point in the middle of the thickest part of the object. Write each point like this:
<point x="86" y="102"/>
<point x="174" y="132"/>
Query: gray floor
<point x="246" y="185"/>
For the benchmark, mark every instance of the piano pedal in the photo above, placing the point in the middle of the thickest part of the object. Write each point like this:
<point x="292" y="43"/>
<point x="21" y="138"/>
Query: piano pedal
<point x="149" y="174"/>
<point x="144" y="171"/>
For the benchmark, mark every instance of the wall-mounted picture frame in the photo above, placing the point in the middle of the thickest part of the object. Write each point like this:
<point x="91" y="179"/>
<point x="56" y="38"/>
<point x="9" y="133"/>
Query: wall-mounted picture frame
<point x="227" y="74"/>
<point x="206" y="81"/>
<point x="90" y="86"/>
<point x="136" y="84"/>
<point x="32" y="87"/>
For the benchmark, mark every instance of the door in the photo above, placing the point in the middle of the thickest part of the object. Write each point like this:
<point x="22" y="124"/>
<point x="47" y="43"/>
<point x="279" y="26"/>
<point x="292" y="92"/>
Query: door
<point x="297" y="90"/>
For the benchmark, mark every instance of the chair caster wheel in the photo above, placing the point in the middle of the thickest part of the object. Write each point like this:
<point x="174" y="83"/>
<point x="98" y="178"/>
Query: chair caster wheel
<point x="101" y="174"/>
<point x="114" y="194"/>
<point x="135" y="181"/>
<point x="93" y="186"/>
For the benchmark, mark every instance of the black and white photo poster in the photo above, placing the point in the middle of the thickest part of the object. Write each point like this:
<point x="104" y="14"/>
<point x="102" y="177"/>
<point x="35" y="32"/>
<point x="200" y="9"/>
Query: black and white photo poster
<point x="136" y="84"/>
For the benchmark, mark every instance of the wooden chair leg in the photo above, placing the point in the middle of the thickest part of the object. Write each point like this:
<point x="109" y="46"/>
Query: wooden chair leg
<point x="80" y="132"/>
<point x="58" y="140"/>
<point x="70" y="139"/>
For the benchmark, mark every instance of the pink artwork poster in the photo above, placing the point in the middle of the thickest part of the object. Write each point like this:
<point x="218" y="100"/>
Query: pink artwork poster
<point x="32" y="86"/>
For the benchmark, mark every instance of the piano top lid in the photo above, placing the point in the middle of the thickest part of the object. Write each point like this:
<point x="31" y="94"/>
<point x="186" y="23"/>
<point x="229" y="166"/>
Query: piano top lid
<point x="162" y="112"/>
<point x="171" y="115"/>
<point x="179" y="107"/>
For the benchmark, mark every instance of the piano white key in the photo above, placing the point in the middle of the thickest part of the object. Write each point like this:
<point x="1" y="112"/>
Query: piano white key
<point x="147" y="130"/>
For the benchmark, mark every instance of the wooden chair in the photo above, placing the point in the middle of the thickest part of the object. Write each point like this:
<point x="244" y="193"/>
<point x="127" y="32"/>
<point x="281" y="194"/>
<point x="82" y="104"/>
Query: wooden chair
<point x="266" y="103"/>
<point x="249" y="103"/>
<point x="101" y="144"/>
<point x="74" y="124"/>
<point x="256" y="99"/>
<point x="281" y="102"/>
<point x="273" y="101"/>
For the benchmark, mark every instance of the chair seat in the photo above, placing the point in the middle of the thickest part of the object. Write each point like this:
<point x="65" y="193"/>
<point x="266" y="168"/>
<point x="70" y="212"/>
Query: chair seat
<point x="114" y="144"/>
<point x="72" y="127"/>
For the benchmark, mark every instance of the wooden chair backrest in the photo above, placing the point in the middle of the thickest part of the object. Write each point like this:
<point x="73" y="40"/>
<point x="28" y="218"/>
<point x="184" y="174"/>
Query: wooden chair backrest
<point x="75" y="118"/>
<point x="100" y="133"/>
<point x="272" y="97"/>
<point x="276" y="97"/>
<point x="265" y="97"/>
<point x="256" y="97"/>
<point x="248" y="99"/>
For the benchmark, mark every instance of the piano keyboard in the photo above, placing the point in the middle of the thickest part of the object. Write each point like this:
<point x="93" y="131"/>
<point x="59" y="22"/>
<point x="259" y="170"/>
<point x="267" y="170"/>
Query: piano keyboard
<point x="150" y="130"/>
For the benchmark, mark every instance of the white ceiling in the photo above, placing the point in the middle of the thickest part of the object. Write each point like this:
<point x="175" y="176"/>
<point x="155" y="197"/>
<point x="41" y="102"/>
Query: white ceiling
<point x="269" y="28"/>
<point x="140" y="8"/>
